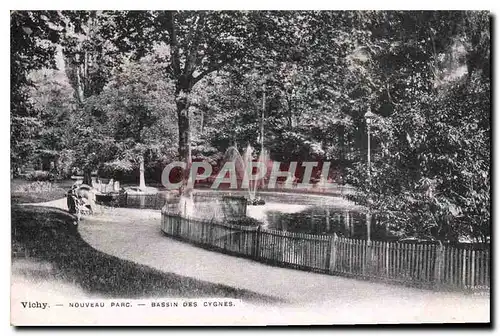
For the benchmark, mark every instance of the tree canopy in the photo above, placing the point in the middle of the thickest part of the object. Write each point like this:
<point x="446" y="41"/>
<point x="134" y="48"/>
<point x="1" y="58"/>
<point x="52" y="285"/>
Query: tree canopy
<point x="114" y="91"/>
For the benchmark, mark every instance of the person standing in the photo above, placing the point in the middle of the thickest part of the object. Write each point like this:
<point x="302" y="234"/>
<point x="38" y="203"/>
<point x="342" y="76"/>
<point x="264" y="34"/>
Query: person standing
<point x="70" y="199"/>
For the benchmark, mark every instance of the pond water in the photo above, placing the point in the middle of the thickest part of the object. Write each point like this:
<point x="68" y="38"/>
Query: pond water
<point x="294" y="212"/>
<point x="329" y="220"/>
<point x="157" y="201"/>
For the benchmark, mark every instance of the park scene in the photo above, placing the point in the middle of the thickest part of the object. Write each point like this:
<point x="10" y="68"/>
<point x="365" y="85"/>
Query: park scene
<point x="334" y="160"/>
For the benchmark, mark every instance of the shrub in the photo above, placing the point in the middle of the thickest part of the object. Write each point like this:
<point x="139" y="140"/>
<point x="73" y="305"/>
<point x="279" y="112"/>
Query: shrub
<point x="65" y="163"/>
<point x="245" y="221"/>
<point x="35" y="192"/>
<point x="40" y="175"/>
<point x="34" y="187"/>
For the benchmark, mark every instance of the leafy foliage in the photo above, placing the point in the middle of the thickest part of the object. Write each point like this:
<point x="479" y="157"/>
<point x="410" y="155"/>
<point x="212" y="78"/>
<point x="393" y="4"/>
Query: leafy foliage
<point x="32" y="43"/>
<point x="430" y="172"/>
<point x="137" y="114"/>
<point x="192" y="83"/>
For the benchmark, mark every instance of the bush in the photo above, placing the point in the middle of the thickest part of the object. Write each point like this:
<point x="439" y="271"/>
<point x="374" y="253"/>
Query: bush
<point x="65" y="163"/>
<point x="40" y="175"/>
<point x="34" y="187"/>
<point x="245" y="221"/>
<point x="35" y="192"/>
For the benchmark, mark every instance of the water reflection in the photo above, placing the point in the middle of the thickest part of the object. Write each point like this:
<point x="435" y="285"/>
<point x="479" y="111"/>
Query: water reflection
<point x="315" y="219"/>
<point x="324" y="220"/>
<point x="156" y="201"/>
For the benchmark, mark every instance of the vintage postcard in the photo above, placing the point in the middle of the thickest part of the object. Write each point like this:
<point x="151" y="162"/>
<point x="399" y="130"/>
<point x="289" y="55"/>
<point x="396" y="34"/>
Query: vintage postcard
<point x="182" y="168"/>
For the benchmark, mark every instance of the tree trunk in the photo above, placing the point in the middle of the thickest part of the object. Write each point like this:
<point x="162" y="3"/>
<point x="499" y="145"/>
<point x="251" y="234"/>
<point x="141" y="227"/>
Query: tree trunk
<point x="142" y="181"/>
<point x="79" y="90"/>
<point x="202" y="117"/>
<point x="87" y="177"/>
<point x="184" y="131"/>
<point x="342" y="145"/>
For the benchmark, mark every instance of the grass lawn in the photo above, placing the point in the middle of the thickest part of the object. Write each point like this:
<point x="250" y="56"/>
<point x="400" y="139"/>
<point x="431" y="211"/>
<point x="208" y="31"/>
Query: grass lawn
<point x="17" y="198"/>
<point x="23" y="191"/>
<point x="49" y="235"/>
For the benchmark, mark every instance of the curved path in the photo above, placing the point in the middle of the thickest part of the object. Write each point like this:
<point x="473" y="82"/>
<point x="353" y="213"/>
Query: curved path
<point x="135" y="235"/>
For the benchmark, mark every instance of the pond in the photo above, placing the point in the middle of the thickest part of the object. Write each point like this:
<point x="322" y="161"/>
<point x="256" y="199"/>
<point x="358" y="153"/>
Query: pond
<point x="323" y="220"/>
<point x="158" y="200"/>
<point x="294" y="212"/>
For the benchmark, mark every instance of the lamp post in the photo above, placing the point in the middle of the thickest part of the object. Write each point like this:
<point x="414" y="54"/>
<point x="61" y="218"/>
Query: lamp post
<point x="368" y="118"/>
<point x="262" y="118"/>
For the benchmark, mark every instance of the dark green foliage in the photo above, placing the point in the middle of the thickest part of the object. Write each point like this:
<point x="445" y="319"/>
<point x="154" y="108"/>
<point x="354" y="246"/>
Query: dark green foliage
<point x="36" y="192"/>
<point x="431" y="146"/>
<point x="245" y="221"/>
<point x="40" y="175"/>
<point x="191" y="84"/>
<point x="32" y="38"/>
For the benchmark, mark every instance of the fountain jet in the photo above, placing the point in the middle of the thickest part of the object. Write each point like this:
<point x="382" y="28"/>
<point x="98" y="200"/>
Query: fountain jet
<point x="243" y="165"/>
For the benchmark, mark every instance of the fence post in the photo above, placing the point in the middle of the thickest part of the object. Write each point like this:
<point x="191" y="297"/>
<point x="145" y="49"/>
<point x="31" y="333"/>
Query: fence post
<point x="439" y="265"/>
<point x="464" y="263"/>
<point x="211" y="233"/>
<point x="386" y="248"/>
<point x="369" y="258"/>
<point x="473" y="270"/>
<point x="333" y="253"/>
<point x="256" y="244"/>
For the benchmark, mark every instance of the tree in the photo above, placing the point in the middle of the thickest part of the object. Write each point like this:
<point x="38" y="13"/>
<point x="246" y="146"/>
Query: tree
<point x="430" y="175"/>
<point x="89" y="56"/>
<point x="139" y="111"/>
<point x="312" y="93"/>
<point x="200" y="43"/>
<point x="51" y="97"/>
<point x="32" y="44"/>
